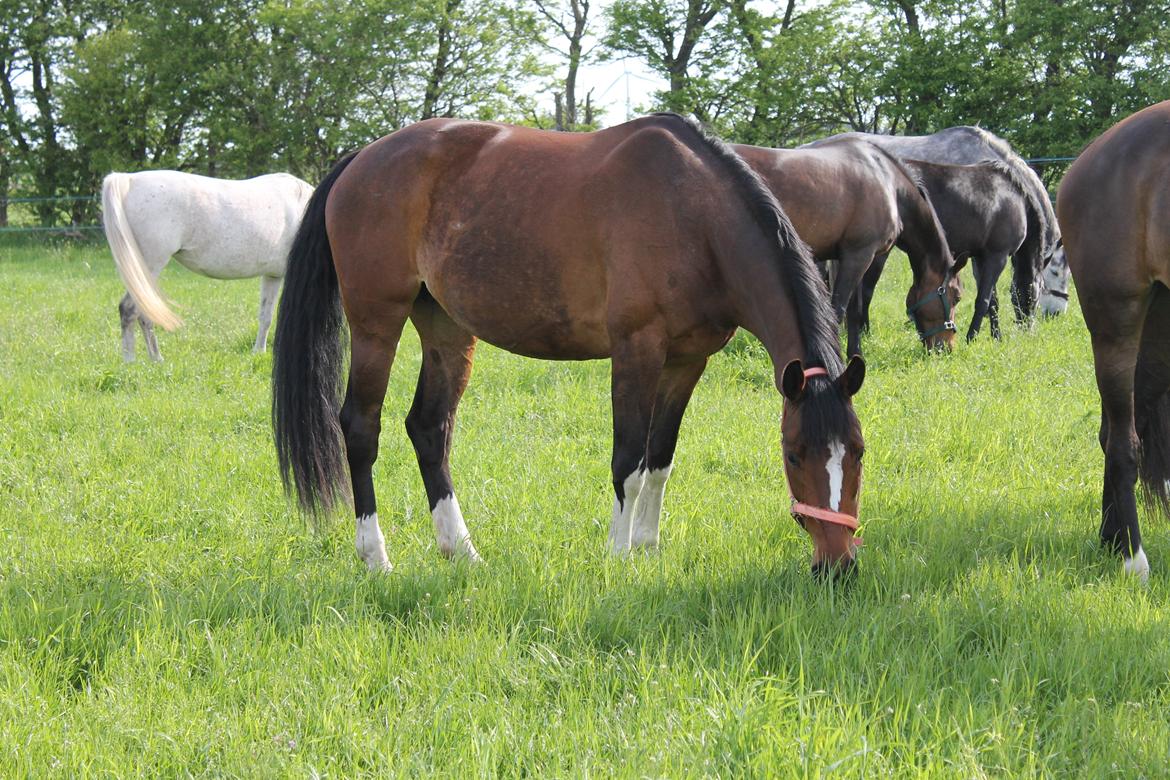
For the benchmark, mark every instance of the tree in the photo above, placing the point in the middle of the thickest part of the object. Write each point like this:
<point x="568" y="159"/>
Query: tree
<point x="666" y="35"/>
<point x="35" y="38"/>
<point x="572" y="23"/>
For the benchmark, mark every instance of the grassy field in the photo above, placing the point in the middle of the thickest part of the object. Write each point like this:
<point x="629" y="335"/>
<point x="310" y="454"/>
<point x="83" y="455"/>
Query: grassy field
<point x="164" y="612"/>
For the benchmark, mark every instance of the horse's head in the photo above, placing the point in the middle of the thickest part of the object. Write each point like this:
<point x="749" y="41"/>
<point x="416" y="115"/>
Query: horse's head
<point x="1054" y="283"/>
<point x="931" y="304"/>
<point x="822" y="447"/>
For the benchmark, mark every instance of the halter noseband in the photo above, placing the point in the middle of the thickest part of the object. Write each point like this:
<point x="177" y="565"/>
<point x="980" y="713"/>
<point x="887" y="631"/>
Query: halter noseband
<point x="948" y="323"/>
<point x="1056" y="294"/>
<point x="800" y="510"/>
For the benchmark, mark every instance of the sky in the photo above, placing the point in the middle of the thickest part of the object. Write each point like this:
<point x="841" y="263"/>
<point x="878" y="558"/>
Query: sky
<point x="621" y="83"/>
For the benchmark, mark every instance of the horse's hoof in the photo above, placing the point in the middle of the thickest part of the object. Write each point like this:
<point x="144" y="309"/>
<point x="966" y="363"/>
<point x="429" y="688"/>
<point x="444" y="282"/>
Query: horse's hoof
<point x="466" y="554"/>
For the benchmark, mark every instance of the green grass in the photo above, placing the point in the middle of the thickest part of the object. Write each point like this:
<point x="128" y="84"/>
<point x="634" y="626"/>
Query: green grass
<point x="164" y="612"/>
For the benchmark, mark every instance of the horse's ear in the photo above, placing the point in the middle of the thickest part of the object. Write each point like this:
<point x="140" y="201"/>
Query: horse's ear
<point x="792" y="380"/>
<point x="852" y="377"/>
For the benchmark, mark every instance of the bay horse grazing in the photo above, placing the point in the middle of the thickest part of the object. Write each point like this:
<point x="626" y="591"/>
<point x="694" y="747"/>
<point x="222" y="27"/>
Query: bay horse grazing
<point x="985" y="210"/>
<point x="216" y="227"/>
<point x="647" y="243"/>
<point x="967" y="145"/>
<point x="851" y="202"/>
<point x="1114" y="208"/>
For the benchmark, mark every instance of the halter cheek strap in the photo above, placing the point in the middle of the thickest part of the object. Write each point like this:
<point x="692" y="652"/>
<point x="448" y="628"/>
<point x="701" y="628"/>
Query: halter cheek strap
<point x="941" y="293"/>
<point x="800" y="510"/>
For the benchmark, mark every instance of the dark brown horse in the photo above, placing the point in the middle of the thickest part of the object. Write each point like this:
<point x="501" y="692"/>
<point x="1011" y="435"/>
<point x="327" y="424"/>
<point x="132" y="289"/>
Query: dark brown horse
<point x="647" y="243"/>
<point x="851" y="202"/>
<point x="968" y="145"/>
<point x="1114" y="211"/>
<point x="989" y="213"/>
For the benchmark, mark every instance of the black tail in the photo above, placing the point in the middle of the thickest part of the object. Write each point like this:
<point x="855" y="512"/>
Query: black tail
<point x="1152" y="402"/>
<point x="307" y="362"/>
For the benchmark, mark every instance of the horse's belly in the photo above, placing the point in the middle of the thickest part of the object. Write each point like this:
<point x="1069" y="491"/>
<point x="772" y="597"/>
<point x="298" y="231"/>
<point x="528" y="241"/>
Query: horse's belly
<point x="238" y="254"/>
<point x="540" y="309"/>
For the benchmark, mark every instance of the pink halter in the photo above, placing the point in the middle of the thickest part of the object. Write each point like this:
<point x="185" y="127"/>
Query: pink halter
<point x="815" y="512"/>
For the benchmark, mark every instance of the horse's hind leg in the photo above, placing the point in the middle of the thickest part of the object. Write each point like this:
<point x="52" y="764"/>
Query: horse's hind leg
<point x="674" y="393"/>
<point x="446" y="366"/>
<point x="151" y="340"/>
<point x="1151" y="395"/>
<point x="993" y="315"/>
<point x="1116" y="329"/>
<point x="127" y="315"/>
<point x="372" y="354"/>
<point x="269" y="287"/>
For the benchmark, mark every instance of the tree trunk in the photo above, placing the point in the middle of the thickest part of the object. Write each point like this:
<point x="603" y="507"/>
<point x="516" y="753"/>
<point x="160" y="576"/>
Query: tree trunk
<point x="442" y="62"/>
<point x="911" y="14"/>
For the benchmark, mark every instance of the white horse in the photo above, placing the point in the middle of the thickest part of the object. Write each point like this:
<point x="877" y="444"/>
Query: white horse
<point x="218" y="228"/>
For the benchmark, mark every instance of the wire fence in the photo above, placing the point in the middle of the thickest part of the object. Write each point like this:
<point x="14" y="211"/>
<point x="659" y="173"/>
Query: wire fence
<point x="22" y="214"/>
<point x="25" y="217"/>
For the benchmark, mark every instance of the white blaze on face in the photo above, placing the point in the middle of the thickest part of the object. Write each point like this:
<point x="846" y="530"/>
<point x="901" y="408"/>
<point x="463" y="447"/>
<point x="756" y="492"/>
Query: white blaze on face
<point x="835" y="467"/>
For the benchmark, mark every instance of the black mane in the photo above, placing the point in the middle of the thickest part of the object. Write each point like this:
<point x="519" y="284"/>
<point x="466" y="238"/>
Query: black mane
<point x="814" y="314"/>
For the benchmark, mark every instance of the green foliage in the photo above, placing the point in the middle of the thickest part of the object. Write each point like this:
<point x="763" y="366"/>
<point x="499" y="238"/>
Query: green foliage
<point x="246" y="88"/>
<point x="164" y="613"/>
<point x="1047" y="76"/>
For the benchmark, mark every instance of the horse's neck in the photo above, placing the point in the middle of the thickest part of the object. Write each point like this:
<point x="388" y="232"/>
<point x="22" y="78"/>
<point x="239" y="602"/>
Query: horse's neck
<point x="765" y="304"/>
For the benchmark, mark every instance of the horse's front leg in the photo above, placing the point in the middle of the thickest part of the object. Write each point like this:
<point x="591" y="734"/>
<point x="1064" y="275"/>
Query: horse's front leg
<point x="1024" y="287"/>
<point x="637" y="363"/>
<point x="1115" y="325"/>
<point x="846" y="289"/>
<point x="269" y="289"/>
<point x="674" y="393"/>
<point x="987" y="270"/>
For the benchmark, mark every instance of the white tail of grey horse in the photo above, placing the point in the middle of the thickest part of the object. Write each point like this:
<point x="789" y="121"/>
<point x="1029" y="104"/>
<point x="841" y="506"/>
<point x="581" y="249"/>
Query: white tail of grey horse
<point x="128" y="256"/>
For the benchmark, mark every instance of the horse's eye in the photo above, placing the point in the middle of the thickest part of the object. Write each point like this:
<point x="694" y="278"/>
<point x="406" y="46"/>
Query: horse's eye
<point x="793" y="459"/>
<point x="860" y="455"/>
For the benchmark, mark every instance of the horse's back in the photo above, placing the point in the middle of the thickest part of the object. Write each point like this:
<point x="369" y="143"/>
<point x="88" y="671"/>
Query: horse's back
<point x="542" y="227"/>
<point x="837" y="196"/>
<point x="218" y="227"/>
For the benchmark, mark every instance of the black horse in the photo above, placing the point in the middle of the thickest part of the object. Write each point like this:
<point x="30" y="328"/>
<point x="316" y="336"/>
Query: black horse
<point x="966" y="145"/>
<point x="988" y="213"/>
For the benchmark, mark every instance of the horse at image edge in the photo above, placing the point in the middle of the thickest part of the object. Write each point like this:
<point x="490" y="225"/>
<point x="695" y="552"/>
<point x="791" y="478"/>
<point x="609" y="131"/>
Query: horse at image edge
<point x="1114" y="210"/>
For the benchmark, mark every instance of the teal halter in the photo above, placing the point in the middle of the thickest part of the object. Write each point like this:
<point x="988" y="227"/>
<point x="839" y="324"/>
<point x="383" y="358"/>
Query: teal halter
<point x="948" y="323"/>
